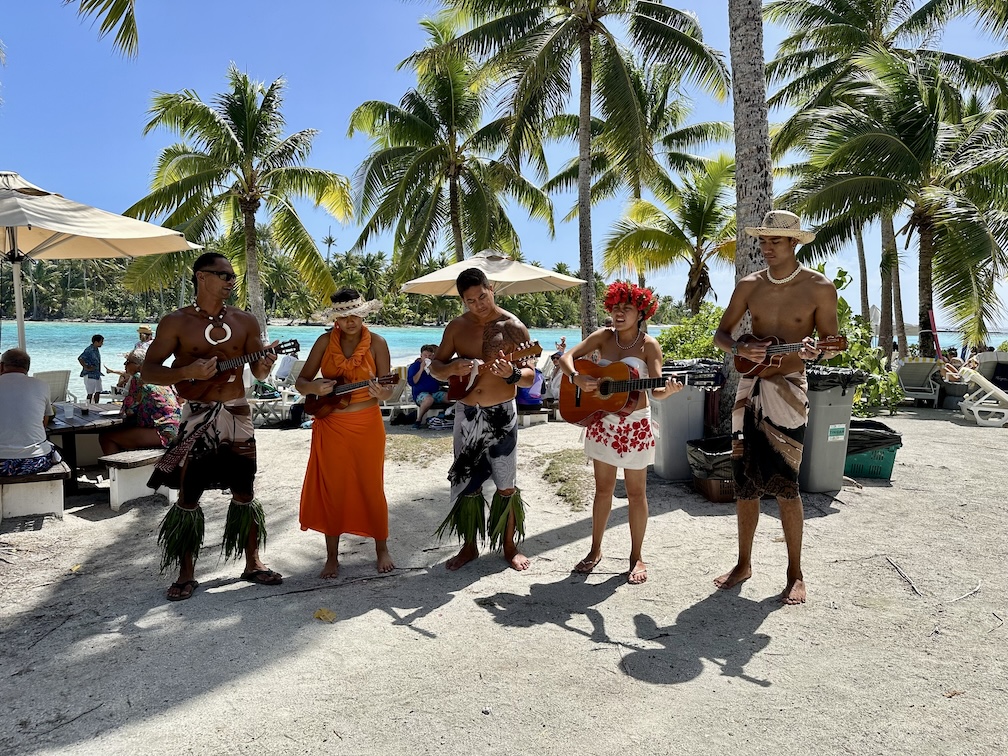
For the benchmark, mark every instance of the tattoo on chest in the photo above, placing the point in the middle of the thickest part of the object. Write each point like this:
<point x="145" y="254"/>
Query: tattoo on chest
<point x="502" y="335"/>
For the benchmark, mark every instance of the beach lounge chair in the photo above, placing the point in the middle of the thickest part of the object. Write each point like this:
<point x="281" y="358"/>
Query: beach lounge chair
<point x="401" y="399"/>
<point x="264" y="409"/>
<point x="59" y="381"/>
<point x="918" y="377"/>
<point x="986" y="403"/>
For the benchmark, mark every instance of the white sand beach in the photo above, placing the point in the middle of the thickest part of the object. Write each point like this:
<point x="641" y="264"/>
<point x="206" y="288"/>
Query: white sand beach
<point x="487" y="660"/>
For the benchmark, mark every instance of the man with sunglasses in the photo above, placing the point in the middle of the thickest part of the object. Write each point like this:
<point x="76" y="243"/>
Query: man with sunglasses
<point x="215" y="446"/>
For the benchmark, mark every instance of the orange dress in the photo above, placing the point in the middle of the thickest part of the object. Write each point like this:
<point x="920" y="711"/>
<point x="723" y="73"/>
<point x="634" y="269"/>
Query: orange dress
<point x="344" y="485"/>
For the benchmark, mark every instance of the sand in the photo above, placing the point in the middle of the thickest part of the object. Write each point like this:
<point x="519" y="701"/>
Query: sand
<point x="488" y="660"/>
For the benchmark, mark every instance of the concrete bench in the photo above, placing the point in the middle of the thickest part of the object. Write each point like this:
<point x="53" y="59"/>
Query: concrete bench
<point x="531" y="415"/>
<point x="41" y="493"/>
<point x="129" y="472"/>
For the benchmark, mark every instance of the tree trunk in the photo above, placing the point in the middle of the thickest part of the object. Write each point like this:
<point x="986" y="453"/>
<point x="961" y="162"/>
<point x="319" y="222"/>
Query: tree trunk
<point x="753" y="181"/>
<point x="863" y="268"/>
<point x="589" y="322"/>
<point x="253" y="281"/>
<point x="899" y="323"/>
<point x="456" y="218"/>
<point x="886" y="268"/>
<point x="924" y="285"/>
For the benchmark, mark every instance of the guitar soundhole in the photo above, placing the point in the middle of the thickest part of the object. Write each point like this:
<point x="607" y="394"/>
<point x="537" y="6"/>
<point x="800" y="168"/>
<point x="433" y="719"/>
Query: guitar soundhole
<point x="603" y="388"/>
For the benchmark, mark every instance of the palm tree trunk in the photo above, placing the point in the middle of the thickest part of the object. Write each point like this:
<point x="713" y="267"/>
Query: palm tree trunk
<point x="863" y="268"/>
<point x="456" y="218"/>
<point x="924" y="285"/>
<point x="886" y="268"/>
<point x="899" y="324"/>
<point x="253" y="281"/>
<point x="753" y="181"/>
<point x="589" y="321"/>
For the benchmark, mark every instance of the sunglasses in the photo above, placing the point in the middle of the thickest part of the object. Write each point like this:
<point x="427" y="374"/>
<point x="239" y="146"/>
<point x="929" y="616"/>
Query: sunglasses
<point x="223" y="275"/>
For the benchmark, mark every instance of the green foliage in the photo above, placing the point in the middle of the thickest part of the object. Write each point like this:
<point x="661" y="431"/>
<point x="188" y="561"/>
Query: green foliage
<point x="693" y="337"/>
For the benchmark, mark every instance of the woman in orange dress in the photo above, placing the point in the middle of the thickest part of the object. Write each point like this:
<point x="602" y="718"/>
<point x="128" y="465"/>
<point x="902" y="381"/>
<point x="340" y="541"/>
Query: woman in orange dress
<point x="344" y="485"/>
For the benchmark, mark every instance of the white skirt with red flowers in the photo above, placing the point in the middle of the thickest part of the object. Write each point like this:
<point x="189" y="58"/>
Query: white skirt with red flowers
<point x="627" y="442"/>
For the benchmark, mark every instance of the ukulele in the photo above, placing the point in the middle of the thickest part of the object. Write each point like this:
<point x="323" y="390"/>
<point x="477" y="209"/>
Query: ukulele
<point x="619" y="389"/>
<point x="227" y="370"/>
<point x="339" y="397"/>
<point x="460" y="386"/>
<point x="776" y="351"/>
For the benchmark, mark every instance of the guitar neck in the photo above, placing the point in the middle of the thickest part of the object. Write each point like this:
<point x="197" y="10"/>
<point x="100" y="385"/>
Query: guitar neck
<point x="236" y="362"/>
<point x="643" y="384"/>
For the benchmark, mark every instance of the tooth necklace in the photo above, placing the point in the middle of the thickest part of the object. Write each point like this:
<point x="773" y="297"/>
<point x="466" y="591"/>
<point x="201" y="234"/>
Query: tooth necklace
<point x="210" y="326"/>
<point x="784" y="280"/>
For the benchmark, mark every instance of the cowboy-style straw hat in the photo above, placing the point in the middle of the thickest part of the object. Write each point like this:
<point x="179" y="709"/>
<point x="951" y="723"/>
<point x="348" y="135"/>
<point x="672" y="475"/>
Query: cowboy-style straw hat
<point x="782" y="223"/>
<point x="358" y="307"/>
<point x="144" y="329"/>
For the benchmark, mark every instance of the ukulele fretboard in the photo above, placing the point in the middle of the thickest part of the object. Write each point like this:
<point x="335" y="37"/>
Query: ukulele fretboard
<point x="237" y="362"/>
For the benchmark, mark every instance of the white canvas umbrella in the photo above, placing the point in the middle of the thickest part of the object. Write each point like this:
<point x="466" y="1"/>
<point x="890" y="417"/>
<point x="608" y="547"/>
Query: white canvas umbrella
<point x="507" y="276"/>
<point x="40" y="225"/>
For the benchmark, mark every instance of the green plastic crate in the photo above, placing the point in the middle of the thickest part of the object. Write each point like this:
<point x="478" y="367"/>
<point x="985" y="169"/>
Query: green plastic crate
<point x="877" y="463"/>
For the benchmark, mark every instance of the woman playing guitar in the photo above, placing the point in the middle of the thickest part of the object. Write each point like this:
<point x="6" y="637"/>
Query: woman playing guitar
<point x="617" y="440"/>
<point x="344" y="485"/>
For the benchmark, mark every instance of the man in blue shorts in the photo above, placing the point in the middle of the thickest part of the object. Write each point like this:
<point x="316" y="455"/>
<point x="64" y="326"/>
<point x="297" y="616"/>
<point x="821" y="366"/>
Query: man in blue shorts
<point x="426" y="388"/>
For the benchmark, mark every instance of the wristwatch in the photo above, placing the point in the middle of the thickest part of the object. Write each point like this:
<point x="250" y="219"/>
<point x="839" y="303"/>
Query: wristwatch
<point x="574" y="375"/>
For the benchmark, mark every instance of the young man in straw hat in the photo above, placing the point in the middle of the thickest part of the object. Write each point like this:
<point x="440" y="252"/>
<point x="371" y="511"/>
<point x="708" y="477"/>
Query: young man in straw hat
<point x="486" y="421"/>
<point x="789" y="302"/>
<point x="344" y="484"/>
<point x="215" y="446"/>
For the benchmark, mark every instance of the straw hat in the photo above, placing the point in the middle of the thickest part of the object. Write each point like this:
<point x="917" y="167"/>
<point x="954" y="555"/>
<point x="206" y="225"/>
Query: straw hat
<point x="782" y="223"/>
<point x="358" y="307"/>
<point x="144" y="329"/>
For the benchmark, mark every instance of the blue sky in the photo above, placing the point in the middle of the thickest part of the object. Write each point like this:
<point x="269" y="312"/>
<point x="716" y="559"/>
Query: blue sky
<point x="73" y="110"/>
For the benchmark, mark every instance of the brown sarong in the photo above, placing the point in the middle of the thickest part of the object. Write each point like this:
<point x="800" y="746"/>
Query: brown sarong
<point x="768" y="432"/>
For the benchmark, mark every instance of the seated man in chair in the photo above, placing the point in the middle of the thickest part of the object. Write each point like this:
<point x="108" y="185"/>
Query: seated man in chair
<point x="427" y="390"/>
<point x="24" y="404"/>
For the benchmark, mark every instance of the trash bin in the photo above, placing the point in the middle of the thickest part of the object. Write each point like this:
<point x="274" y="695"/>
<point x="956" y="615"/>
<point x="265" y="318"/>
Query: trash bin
<point x="831" y="398"/>
<point x="871" y="450"/>
<point x="680" y="417"/>
<point x="711" y="466"/>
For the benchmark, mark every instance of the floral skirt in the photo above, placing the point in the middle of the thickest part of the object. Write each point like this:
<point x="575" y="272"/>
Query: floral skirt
<point x="627" y="442"/>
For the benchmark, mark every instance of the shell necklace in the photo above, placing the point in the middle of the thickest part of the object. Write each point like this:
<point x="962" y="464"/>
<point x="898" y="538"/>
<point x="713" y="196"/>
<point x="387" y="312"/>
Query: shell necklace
<point x="786" y="279"/>
<point x="210" y="326"/>
<point x="632" y="344"/>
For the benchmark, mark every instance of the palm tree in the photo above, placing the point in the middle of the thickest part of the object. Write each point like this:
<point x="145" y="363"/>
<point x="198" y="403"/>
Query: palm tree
<point x="920" y="147"/>
<point x="238" y="163"/>
<point x="328" y="240"/>
<point x="432" y="173"/>
<point x="118" y="15"/>
<point x="662" y="132"/>
<point x="699" y="228"/>
<point x="536" y="42"/>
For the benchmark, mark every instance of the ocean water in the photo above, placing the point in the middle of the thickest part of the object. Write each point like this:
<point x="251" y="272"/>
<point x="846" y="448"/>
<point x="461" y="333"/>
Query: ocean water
<point x="56" y="345"/>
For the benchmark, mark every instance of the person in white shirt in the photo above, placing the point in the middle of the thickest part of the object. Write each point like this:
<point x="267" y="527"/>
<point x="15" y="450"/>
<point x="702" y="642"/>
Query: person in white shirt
<point x="24" y="405"/>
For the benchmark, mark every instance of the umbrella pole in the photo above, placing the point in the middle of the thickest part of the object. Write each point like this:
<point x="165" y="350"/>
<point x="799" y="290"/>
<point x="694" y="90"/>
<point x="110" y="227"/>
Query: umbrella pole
<point x="19" y="304"/>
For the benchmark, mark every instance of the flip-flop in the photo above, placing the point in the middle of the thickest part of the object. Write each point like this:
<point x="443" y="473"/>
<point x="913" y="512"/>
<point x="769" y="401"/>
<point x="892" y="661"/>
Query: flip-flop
<point x="263" y="577"/>
<point x="639" y="573"/>
<point x="586" y="565"/>
<point x="191" y="584"/>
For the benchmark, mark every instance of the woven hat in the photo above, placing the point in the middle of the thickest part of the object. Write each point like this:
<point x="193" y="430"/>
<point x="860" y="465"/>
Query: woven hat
<point x="358" y="307"/>
<point x="144" y="329"/>
<point x="782" y="223"/>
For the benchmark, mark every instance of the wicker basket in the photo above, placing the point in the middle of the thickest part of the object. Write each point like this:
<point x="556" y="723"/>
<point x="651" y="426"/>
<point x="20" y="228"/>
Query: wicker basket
<point x="718" y="490"/>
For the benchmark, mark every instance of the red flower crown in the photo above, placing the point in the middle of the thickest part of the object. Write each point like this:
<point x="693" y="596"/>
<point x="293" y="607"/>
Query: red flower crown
<point x="624" y="291"/>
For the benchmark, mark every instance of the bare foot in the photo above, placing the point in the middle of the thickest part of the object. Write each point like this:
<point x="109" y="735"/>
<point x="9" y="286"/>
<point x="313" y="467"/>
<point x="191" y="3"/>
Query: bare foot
<point x="517" y="560"/>
<point x="589" y="563"/>
<point x="794" y="593"/>
<point x="638" y="574"/>
<point x="466" y="555"/>
<point x="331" y="568"/>
<point x="385" y="561"/>
<point x="730" y="579"/>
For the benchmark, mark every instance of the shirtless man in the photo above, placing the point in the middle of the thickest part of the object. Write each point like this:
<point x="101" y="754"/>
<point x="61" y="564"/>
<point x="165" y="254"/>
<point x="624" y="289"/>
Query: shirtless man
<point x="215" y="447"/>
<point x="486" y="421"/>
<point x="789" y="302"/>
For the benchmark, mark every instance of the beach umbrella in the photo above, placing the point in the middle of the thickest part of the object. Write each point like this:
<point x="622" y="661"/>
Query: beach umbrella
<point x="40" y="225"/>
<point x="509" y="277"/>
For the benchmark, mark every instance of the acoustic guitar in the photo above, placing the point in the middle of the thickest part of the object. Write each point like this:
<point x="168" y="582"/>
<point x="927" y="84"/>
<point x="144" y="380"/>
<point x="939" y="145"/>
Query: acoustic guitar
<point x="619" y="389"/>
<point x="776" y="351"/>
<point x="227" y="370"/>
<point x="339" y="397"/>
<point x="460" y="386"/>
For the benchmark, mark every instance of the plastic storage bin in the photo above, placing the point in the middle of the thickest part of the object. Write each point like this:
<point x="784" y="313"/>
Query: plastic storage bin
<point x="711" y="467"/>
<point x="679" y="417"/>
<point x="871" y="450"/>
<point x="831" y="398"/>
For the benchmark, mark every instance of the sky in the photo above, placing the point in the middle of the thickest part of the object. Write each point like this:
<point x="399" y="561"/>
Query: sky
<point x="72" y="109"/>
